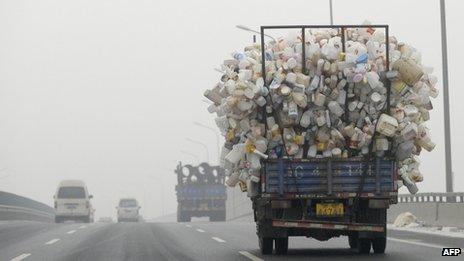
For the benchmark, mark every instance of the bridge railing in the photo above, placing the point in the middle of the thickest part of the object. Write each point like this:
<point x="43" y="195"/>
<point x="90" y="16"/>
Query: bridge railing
<point x="455" y="197"/>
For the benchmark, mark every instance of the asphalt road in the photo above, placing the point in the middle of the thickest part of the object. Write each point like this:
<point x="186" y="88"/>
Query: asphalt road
<point x="191" y="241"/>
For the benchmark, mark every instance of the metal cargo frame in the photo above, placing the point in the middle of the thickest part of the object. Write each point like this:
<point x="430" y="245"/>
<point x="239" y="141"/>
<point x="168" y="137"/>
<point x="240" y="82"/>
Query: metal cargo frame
<point x="342" y="29"/>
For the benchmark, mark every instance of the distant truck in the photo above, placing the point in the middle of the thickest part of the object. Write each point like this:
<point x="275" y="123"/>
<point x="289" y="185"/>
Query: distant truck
<point x="200" y="192"/>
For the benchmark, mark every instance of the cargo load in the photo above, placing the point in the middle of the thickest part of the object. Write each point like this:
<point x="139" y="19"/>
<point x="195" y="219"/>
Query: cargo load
<point x="331" y="104"/>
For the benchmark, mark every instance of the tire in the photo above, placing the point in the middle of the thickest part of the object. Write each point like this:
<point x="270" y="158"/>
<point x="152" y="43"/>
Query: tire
<point x="281" y="246"/>
<point x="265" y="245"/>
<point x="353" y="241"/>
<point x="379" y="244"/>
<point x="58" y="220"/>
<point x="86" y="219"/>
<point x="183" y="218"/>
<point x="364" y="245"/>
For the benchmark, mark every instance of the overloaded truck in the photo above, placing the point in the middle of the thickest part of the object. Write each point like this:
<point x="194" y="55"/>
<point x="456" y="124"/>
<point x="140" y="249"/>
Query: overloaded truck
<point x="200" y="192"/>
<point x="324" y="197"/>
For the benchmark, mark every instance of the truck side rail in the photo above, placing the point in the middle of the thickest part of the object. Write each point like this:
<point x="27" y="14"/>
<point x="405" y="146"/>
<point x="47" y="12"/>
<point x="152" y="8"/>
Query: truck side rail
<point x="328" y="176"/>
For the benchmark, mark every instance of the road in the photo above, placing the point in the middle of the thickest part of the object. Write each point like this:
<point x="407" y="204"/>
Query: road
<point x="190" y="241"/>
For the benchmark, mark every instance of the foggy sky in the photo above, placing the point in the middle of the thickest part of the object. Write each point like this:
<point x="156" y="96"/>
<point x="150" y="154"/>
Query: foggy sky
<point x="106" y="91"/>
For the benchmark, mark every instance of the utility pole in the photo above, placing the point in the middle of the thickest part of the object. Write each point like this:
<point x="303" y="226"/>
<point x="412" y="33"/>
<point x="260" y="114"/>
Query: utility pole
<point x="446" y="109"/>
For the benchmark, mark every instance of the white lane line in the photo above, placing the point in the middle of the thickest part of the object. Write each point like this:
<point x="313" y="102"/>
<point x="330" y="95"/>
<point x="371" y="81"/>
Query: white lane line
<point x="188" y="225"/>
<point x="53" y="241"/>
<point x="21" y="257"/>
<point x="200" y="230"/>
<point x="81" y="227"/>
<point x="250" y="256"/>
<point x="416" y="243"/>
<point x="218" y="239"/>
<point x="71" y="232"/>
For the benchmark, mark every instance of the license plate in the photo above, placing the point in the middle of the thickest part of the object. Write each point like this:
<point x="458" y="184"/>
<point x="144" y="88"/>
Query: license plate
<point x="329" y="209"/>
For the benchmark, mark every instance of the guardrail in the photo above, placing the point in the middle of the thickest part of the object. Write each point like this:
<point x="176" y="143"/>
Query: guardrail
<point x="456" y="197"/>
<point x="15" y="207"/>
<point x="21" y="213"/>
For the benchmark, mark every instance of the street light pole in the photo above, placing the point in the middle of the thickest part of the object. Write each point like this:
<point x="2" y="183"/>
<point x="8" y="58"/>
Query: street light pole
<point x="446" y="109"/>
<point x="245" y="28"/>
<point x="331" y="13"/>
<point x="218" y="137"/>
<point x="201" y="144"/>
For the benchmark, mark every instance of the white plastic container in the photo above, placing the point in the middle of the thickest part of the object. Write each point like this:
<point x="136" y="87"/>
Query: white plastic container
<point x="335" y="108"/>
<point x="236" y="154"/>
<point x="387" y="125"/>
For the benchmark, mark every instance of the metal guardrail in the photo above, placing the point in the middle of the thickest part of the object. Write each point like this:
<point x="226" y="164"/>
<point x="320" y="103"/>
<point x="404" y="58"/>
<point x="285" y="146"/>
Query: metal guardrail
<point x="456" y="197"/>
<point x="22" y="210"/>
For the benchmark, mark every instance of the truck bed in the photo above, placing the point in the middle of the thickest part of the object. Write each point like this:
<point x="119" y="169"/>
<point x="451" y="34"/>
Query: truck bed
<point x="200" y="191"/>
<point x="333" y="177"/>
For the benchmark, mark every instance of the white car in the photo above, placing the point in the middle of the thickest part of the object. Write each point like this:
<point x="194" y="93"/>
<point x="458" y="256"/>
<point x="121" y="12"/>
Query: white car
<point x="128" y="210"/>
<point x="72" y="202"/>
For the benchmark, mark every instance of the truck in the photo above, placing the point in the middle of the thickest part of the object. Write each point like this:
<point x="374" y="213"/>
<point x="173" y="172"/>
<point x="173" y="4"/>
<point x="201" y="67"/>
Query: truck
<point x="324" y="197"/>
<point x="201" y="192"/>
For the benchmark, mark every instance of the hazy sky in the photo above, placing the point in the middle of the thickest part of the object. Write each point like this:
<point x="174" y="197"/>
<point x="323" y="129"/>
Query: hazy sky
<point x="106" y="91"/>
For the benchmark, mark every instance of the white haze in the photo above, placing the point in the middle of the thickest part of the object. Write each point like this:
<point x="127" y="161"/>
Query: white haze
<point x="106" y="91"/>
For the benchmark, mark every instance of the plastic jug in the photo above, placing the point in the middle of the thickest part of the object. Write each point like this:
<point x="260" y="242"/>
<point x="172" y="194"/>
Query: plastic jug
<point x="409" y="71"/>
<point x="387" y="125"/>
<point x="236" y="154"/>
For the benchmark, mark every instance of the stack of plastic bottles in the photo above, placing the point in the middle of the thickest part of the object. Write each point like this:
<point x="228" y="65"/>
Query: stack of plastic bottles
<point x="336" y="108"/>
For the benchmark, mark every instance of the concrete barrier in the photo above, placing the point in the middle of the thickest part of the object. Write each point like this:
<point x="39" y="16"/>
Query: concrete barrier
<point x="441" y="209"/>
<point x="237" y="204"/>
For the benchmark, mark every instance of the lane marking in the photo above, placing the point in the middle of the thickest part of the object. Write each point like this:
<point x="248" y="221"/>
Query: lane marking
<point x="188" y="225"/>
<point x="21" y="257"/>
<point x="200" y="230"/>
<point x="71" y="232"/>
<point x="416" y="243"/>
<point x="218" y="239"/>
<point x="250" y="256"/>
<point x="81" y="227"/>
<point x="53" y="241"/>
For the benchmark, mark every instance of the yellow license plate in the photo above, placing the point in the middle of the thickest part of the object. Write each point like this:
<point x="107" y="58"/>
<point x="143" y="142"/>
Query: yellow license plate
<point x="329" y="209"/>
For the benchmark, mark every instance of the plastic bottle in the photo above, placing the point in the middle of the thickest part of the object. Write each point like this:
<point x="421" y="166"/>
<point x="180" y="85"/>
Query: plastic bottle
<point x="236" y="154"/>
<point x="305" y="120"/>
<point x="335" y="108"/>
<point x="387" y="125"/>
<point x="409" y="71"/>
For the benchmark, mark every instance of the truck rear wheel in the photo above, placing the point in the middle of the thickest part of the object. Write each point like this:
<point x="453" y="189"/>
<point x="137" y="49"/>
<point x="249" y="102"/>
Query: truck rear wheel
<point x="265" y="245"/>
<point x="281" y="246"/>
<point x="364" y="245"/>
<point x="379" y="244"/>
<point x="353" y="241"/>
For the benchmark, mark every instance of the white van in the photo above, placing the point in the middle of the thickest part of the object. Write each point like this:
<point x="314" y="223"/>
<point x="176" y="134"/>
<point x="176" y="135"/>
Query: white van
<point x="128" y="210"/>
<point x="72" y="202"/>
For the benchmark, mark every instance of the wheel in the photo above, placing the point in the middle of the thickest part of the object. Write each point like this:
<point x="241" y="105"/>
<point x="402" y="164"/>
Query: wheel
<point x="379" y="244"/>
<point x="265" y="245"/>
<point x="58" y="220"/>
<point x="281" y="246"/>
<point x="183" y="218"/>
<point x="353" y="241"/>
<point x="86" y="219"/>
<point x="364" y="245"/>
